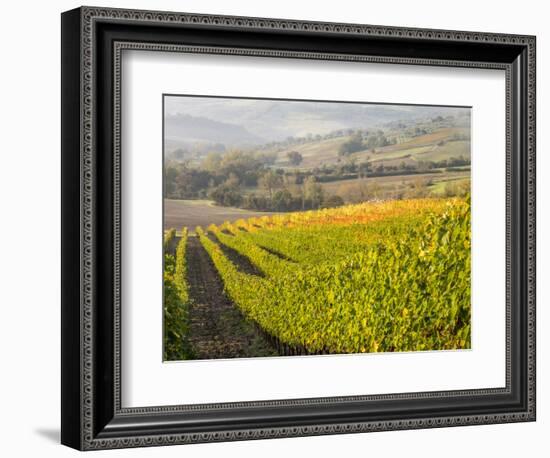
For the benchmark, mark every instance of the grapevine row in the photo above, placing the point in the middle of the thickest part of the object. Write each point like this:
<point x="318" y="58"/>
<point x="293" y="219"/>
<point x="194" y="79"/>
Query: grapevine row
<point x="314" y="243"/>
<point x="169" y="236"/>
<point x="176" y="302"/>
<point x="402" y="293"/>
<point x="269" y="264"/>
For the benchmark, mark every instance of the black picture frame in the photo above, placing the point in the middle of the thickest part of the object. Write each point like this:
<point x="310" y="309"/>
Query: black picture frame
<point x="92" y="40"/>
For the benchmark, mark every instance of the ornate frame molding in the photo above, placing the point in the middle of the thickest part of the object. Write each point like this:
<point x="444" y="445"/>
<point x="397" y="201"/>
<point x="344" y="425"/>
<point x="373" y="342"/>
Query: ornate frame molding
<point x="89" y="436"/>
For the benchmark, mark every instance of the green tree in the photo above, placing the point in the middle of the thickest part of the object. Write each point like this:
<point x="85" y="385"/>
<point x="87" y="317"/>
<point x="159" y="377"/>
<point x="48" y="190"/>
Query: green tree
<point x="333" y="201"/>
<point x="313" y="192"/>
<point x="354" y="144"/>
<point x="212" y="162"/>
<point x="226" y="195"/>
<point x="294" y="157"/>
<point x="282" y="200"/>
<point x="170" y="175"/>
<point x="269" y="181"/>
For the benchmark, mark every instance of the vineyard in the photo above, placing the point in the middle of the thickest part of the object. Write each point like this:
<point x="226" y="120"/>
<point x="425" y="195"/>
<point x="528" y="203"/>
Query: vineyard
<point x="176" y="299"/>
<point x="371" y="277"/>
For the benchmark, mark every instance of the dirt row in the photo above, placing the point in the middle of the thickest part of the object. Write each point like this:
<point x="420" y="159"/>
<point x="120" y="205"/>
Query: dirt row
<point x="217" y="329"/>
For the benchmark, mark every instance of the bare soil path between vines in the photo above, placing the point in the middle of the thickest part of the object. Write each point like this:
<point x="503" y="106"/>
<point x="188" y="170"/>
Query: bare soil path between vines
<point x="217" y="328"/>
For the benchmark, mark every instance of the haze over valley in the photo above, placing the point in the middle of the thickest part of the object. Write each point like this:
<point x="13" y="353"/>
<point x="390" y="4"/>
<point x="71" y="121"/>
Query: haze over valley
<point x="280" y="155"/>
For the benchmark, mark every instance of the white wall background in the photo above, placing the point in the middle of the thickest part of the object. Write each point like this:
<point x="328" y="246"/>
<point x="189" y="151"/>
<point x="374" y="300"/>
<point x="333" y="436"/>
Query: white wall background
<point x="30" y="240"/>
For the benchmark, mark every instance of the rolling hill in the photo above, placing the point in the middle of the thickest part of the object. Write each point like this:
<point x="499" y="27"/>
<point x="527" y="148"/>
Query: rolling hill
<point x="441" y="144"/>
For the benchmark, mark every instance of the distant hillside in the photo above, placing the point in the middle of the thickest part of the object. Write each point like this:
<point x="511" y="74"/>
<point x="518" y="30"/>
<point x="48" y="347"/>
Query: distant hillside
<point x="182" y="131"/>
<point x="441" y="144"/>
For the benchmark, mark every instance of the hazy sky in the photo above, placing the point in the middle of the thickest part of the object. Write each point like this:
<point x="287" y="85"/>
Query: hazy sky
<point x="266" y="120"/>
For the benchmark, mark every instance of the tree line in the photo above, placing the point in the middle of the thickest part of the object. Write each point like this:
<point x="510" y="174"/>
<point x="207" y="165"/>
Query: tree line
<point x="224" y="178"/>
<point x="228" y="179"/>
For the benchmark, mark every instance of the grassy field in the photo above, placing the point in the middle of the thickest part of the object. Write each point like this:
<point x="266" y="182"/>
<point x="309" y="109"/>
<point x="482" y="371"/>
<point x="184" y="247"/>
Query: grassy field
<point x="435" y="146"/>
<point x="439" y="187"/>
<point x="391" y="186"/>
<point x="395" y="154"/>
<point x="446" y="151"/>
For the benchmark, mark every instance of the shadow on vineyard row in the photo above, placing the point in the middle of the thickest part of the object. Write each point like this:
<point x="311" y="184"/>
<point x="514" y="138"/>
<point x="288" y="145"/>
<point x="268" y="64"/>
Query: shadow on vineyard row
<point x="217" y="329"/>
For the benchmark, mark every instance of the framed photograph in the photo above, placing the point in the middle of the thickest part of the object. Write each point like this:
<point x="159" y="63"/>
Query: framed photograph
<point x="276" y="228"/>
